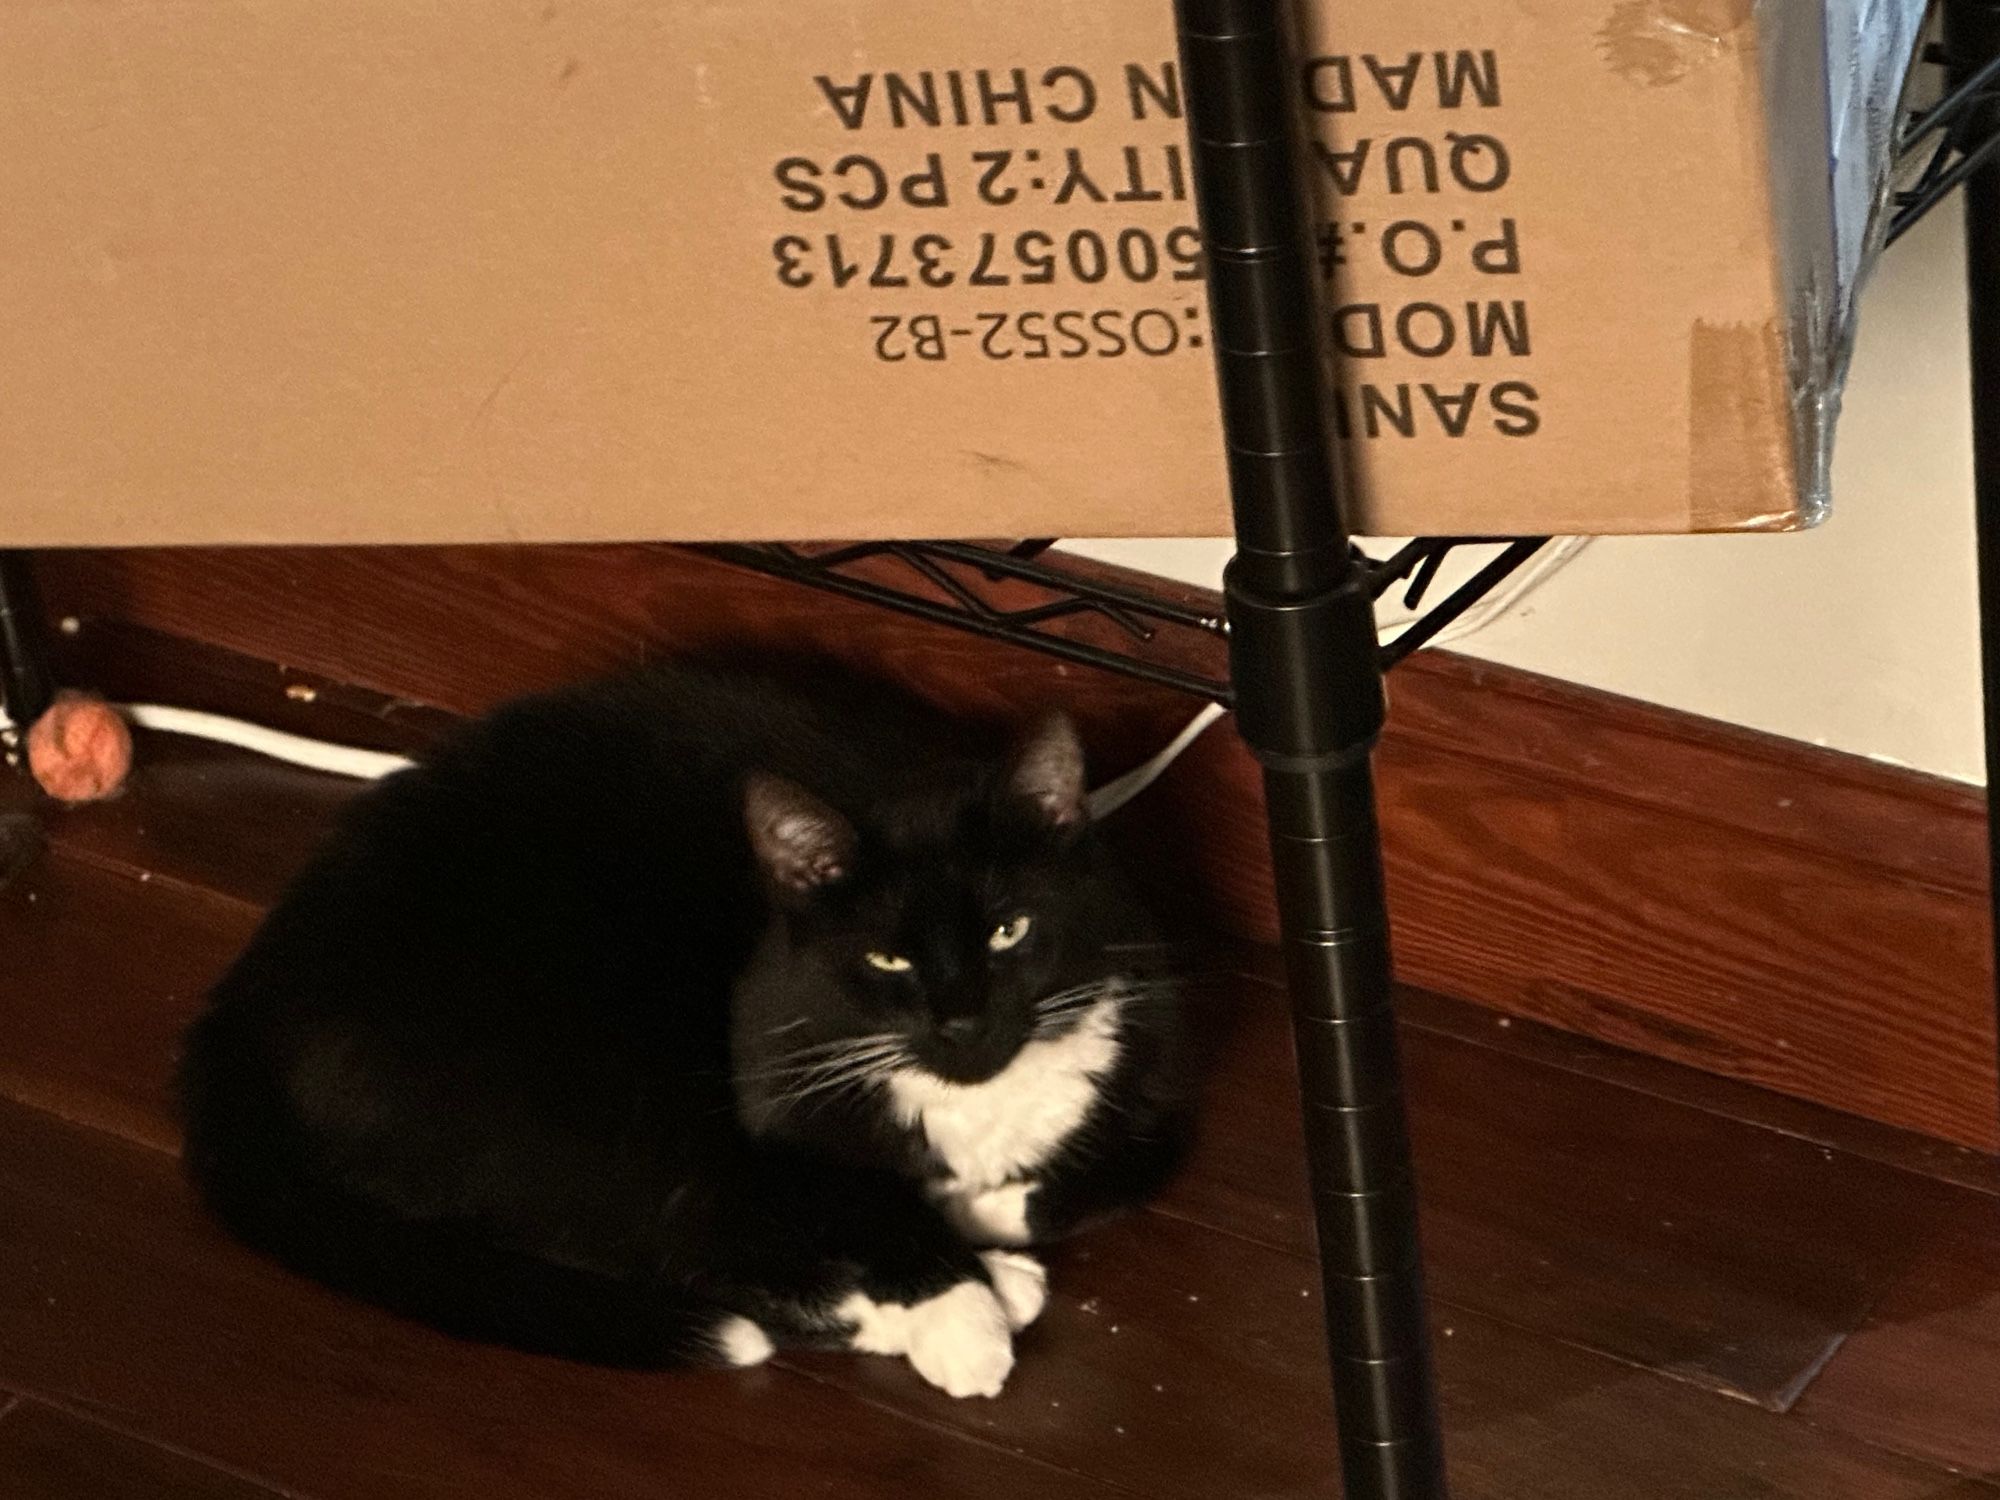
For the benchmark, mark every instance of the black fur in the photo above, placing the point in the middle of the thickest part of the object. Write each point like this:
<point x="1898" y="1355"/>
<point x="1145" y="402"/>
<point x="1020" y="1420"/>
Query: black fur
<point x="519" y="1053"/>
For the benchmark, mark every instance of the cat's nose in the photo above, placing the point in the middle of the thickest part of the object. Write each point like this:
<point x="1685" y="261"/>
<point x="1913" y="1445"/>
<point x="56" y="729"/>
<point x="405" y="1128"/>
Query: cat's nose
<point x="961" y="1028"/>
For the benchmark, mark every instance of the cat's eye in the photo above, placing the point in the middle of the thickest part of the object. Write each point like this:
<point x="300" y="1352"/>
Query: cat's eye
<point x="1008" y="934"/>
<point x="887" y="963"/>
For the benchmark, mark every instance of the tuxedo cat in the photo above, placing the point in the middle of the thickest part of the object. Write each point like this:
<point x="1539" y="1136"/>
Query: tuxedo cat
<point x="679" y="1017"/>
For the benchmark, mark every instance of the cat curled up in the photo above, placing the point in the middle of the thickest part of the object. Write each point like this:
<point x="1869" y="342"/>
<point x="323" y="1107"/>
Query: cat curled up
<point x="696" y="1013"/>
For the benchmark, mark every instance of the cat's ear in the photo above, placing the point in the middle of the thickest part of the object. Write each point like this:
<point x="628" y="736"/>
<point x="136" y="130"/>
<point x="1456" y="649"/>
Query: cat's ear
<point x="1045" y="775"/>
<point x="801" y="844"/>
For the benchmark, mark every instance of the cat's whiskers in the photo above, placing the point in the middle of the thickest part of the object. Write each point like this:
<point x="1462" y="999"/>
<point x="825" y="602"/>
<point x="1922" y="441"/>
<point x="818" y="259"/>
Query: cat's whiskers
<point x="823" y="1067"/>
<point x="1055" y="1012"/>
<point x="1089" y="990"/>
<point x="1110" y="987"/>
<point x="837" y="1045"/>
<point x="820" y="1053"/>
<point x="873" y="1067"/>
<point x="830" y="1068"/>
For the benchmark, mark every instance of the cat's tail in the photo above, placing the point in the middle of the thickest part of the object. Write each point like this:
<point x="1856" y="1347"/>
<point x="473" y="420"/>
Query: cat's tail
<point x="449" y="1276"/>
<point x="448" y="1273"/>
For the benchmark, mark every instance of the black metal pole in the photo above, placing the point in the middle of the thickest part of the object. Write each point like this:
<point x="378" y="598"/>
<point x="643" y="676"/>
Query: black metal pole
<point x="1310" y="705"/>
<point x="26" y="686"/>
<point x="1972" y="36"/>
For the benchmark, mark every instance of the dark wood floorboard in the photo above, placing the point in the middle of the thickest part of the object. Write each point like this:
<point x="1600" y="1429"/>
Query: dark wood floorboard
<point x="222" y="821"/>
<point x="1923" y="1376"/>
<point x="1189" y="1365"/>
<point x="233" y="826"/>
<point x="124" y="1302"/>
<point x="47" y="1454"/>
<point x="1728" y="1255"/>
<point x="99" y="971"/>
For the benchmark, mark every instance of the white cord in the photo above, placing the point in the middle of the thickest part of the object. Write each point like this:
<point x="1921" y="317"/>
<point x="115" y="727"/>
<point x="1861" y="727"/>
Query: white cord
<point x="1115" y="793"/>
<point x="340" y="760"/>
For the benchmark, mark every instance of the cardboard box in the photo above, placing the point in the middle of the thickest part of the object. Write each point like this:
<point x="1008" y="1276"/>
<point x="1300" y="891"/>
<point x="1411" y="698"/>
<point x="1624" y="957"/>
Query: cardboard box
<point x="362" y="270"/>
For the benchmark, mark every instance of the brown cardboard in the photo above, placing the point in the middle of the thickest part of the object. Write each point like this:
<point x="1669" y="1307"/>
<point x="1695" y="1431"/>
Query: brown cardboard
<point x="320" y="270"/>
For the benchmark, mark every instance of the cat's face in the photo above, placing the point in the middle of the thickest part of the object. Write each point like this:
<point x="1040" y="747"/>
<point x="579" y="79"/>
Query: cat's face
<point x="944" y="935"/>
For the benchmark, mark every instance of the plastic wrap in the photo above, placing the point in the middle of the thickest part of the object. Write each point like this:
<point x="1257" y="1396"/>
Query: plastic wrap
<point x="1836" y="74"/>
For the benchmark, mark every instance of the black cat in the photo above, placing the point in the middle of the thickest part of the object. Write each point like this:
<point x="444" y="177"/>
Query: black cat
<point x="676" y="1017"/>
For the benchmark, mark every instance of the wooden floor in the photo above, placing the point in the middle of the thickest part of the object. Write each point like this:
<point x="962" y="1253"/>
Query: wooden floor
<point x="1648" y="1284"/>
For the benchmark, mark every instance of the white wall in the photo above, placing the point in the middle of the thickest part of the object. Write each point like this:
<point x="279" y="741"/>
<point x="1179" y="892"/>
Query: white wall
<point x="1861" y="635"/>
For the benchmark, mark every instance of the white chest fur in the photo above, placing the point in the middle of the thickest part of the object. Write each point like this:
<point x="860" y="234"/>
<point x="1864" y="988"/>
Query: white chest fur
<point x="1007" y="1127"/>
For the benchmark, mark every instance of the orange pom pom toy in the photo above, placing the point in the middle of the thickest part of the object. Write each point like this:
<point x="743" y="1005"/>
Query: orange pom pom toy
<point x="80" y="750"/>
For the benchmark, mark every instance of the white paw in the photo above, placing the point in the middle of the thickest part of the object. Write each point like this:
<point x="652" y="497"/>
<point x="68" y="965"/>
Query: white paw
<point x="958" y="1340"/>
<point x="875" y="1327"/>
<point x="961" y="1342"/>
<point x="741" y="1342"/>
<point x="997" y="1216"/>
<point x="1020" y="1283"/>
